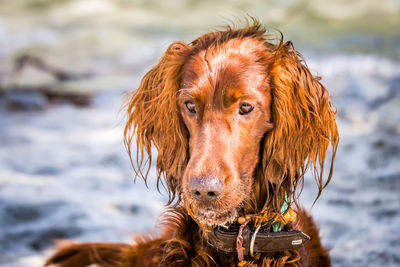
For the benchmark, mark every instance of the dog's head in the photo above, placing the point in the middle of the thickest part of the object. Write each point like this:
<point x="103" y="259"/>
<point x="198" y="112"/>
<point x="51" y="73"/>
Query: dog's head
<point x="236" y="121"/>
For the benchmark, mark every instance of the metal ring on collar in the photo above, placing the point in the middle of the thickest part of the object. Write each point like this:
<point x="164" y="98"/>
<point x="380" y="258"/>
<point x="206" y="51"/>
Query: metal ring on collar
<point x="253" y="239"/>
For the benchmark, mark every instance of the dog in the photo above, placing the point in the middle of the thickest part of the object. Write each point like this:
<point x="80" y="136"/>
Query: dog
<point x="237" y="118"/>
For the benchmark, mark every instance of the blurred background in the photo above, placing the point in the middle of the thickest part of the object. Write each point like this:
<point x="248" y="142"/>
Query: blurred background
<point x="65" y="66"/>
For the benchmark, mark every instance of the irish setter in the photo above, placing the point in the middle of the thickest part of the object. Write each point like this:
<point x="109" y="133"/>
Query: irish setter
<point x="237" y="118"/>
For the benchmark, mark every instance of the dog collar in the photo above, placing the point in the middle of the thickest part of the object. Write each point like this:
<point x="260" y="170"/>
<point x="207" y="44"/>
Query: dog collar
<point x="246" y="239"/>
<point x="255" y="240"/>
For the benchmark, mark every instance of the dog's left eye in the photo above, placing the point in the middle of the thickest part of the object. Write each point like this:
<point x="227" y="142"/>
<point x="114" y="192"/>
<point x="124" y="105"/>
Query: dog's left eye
<point x="245" y="108"/>
<point x="191" y="107"/>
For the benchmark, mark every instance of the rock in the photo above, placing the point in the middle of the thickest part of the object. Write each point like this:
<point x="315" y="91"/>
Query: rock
<point x="29" y="77"/>
<point x="24" y="100"/>
<point x="131" y="209"/>
<point x="47" y="237"/>
<point x="78" y="99"/>
<point x="23" y="213"/>
<point x="26" y="213"/>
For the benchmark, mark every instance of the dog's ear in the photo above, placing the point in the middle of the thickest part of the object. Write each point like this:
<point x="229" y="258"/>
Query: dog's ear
<point x="304" y="124"/>
<point x="154" y="120"/>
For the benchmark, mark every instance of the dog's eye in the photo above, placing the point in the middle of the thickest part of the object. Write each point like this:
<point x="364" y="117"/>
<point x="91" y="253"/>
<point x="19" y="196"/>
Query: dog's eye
<point x="191" y="107"/>
<point x="245" y="109"/>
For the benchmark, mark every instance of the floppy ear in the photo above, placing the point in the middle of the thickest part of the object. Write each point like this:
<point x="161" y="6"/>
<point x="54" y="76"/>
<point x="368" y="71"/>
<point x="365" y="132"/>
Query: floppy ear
<point x="154" y="119"/>
<point x="304" y="124"/>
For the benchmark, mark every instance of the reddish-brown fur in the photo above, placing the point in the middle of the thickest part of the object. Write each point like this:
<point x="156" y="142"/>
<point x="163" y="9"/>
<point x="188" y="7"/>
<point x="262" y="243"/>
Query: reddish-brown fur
<point x="260" y="156"/>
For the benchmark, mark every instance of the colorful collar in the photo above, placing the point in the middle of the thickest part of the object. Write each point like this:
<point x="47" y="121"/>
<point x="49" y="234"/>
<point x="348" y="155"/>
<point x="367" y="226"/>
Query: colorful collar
<point x="246" y="239"/>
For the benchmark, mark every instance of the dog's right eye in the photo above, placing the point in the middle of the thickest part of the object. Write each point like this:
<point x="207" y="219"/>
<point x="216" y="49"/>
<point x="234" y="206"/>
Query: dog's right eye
<point x="245" y="109"/>
<point x="191" y="107"/>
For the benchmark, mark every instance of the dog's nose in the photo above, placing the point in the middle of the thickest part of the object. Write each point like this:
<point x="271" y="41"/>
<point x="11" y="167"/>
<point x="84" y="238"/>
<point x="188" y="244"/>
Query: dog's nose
<point x="205" y="189"/>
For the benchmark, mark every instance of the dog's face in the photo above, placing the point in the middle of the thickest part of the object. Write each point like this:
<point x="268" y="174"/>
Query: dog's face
<point x="225" y="103"/>
<point x="236" y="121"/>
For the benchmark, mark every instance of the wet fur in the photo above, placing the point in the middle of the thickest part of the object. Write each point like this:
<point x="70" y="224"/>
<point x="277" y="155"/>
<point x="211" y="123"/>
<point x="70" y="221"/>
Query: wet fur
<point x="303" y="128"/>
